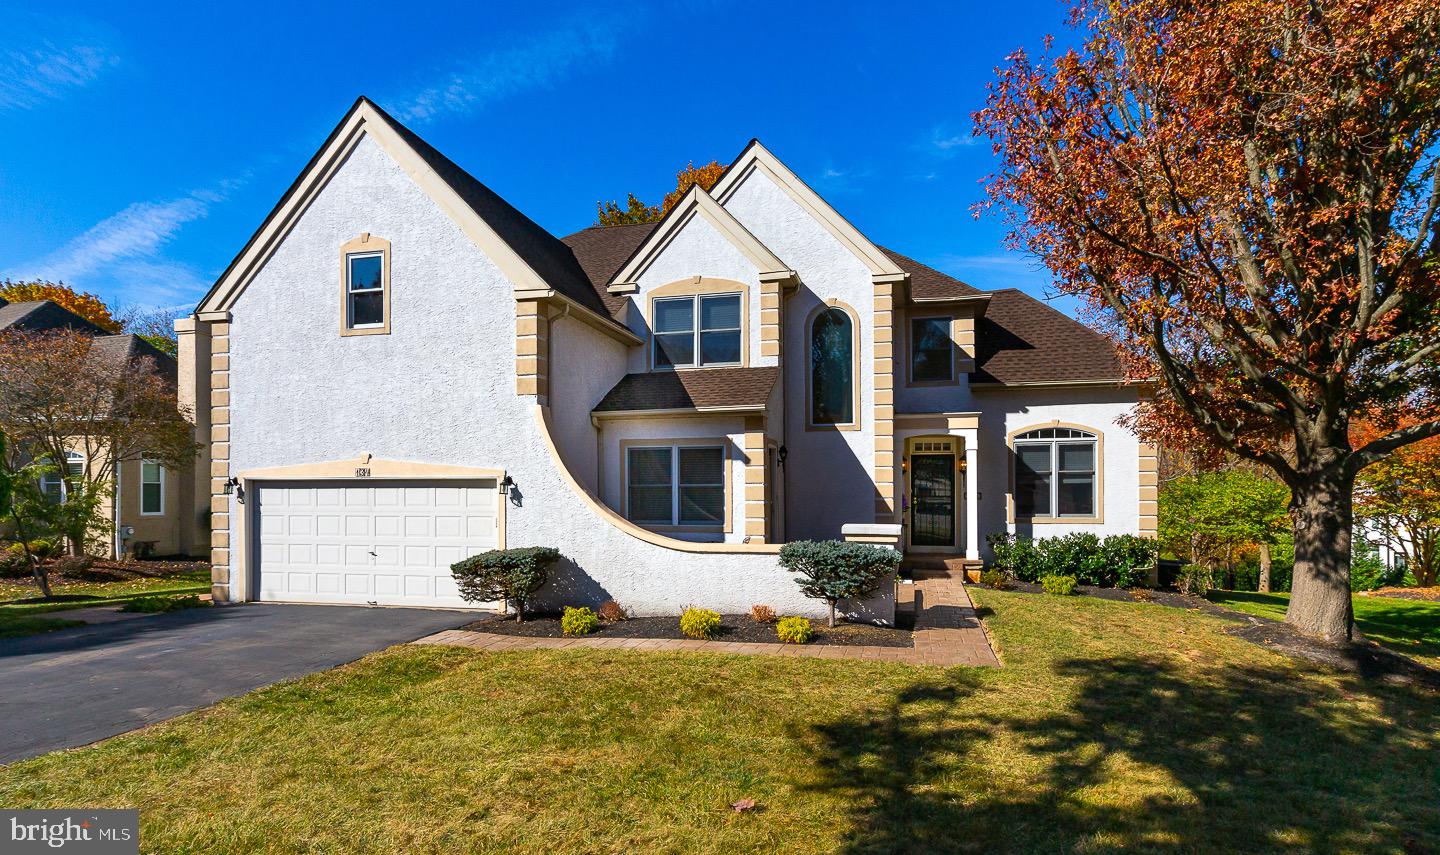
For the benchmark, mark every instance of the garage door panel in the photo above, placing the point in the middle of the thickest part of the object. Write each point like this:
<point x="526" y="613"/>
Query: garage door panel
<point x="388" y="543"/>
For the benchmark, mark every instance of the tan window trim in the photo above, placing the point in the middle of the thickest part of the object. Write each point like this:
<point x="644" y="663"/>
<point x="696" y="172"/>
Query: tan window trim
<point x="854" y="425"/>
<point x="696" y="287"/>
<point x="722" y="443"/>
<point x="1099" y="516"/>
<point x="364" y="244"/>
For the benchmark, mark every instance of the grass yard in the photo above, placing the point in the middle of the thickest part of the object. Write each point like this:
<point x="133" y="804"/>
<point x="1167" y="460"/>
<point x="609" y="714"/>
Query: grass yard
<point x="1411" y="627"/>
<point x="1113" y="725"/>
<point x="19" y="618"/>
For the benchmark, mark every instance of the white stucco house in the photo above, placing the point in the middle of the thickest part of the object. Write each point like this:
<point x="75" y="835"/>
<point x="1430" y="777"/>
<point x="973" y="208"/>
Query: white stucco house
<point x="402" y="369"/>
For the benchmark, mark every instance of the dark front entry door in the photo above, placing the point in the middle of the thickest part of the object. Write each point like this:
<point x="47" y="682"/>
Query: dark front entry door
<point x="932" y="496"/>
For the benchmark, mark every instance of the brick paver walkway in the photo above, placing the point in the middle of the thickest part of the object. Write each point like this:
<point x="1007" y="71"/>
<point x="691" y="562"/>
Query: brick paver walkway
<point x="947" y="632"/>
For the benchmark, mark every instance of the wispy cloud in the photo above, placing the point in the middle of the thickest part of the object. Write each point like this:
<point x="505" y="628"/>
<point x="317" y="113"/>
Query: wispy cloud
<point x="43" y="59"/>
<point x="535" y="63"/>
<point x="123" y="254"/>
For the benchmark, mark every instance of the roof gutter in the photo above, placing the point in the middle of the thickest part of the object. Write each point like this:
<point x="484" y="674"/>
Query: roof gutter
<point x="597" y="416"/>
<point x="585" y="314"/>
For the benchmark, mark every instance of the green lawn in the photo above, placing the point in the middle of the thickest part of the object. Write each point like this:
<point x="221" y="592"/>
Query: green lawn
<point x="1411" y="627"/>
<point x="17" y="618"/>
<point x="1113" y="725"/>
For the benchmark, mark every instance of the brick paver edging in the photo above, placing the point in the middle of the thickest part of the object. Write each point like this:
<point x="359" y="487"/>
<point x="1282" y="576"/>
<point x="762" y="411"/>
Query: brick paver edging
<point x="947" y="632"/>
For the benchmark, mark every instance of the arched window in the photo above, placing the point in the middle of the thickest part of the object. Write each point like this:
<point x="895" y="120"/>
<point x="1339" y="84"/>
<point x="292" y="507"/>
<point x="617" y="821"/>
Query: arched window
<point x="832" y="368"/>
<point x="1055" y="472"/>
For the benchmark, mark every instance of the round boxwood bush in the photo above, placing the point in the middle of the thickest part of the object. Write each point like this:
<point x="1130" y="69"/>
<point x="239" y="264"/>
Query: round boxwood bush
<point x="1060" y="586"/>
<point x="794" y="630"/>
<point x="579" y="621"/>
<point x="700" y="623"/>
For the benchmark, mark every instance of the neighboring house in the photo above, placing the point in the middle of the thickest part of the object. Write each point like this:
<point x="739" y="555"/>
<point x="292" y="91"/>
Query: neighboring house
<point x="153" y="508"/>
<point x="403" y="369"/>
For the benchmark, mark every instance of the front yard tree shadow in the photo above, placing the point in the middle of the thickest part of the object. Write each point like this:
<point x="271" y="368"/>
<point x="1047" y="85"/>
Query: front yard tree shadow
<point x="1139" y="755"/>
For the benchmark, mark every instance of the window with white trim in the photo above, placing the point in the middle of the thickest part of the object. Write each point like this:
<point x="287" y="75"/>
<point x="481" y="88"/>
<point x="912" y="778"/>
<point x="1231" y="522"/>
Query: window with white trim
<point x="152" y="488"/>
<point x="56" y="485"/>
<point x="678" y="341"/>
<point x="365" y="290"/>
<point x="932" y="350"/>
<point x="677" y="485"/>
<point x="1055" y="473"/>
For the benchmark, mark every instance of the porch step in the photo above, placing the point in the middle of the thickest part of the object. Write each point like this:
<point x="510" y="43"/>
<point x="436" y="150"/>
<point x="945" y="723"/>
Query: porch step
<point x="921" y="566"/>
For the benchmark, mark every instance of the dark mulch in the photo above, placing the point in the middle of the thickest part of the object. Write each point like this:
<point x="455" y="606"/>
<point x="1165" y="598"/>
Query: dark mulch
<point x="1430" y="594"/>
<point x="1360" y="657"/>
<point x="732" y="628"/>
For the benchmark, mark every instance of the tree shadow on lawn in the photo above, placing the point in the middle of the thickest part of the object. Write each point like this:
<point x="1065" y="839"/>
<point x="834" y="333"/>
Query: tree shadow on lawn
<point x="1134" y="753"/>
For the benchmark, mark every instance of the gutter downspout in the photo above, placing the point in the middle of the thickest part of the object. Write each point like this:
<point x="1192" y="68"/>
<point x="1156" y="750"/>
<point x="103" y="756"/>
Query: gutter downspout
<point x="115" y="512"/>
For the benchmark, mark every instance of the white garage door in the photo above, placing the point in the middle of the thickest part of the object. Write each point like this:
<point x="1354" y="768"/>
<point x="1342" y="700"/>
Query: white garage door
<point x="389" y="543"/>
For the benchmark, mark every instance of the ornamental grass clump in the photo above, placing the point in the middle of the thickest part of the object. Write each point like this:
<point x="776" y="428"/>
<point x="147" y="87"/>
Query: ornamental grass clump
<point x="512" y="575"/>
<point x="579" y="621"/>
<point x="794" y="630"/>
<point x="833" y="570"/>
<point x="700" y="623"/>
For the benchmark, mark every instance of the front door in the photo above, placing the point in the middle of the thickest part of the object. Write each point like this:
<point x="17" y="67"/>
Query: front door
<point x="932" y="498"/>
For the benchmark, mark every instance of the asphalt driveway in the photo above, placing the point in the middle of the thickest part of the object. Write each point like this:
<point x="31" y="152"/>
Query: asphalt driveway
<point x="75" y="686"/>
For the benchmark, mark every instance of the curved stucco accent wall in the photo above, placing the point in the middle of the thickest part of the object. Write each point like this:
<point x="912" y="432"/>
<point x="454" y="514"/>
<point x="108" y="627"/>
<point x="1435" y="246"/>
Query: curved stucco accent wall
<point x="440" y="388"/>
<point x="831" y="472"/>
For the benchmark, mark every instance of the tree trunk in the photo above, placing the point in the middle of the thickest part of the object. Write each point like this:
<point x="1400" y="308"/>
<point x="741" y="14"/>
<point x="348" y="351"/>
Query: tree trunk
<point x="830" y="622"/>
<point x="1264" y="585"/>
<point x="1320" y="590"/>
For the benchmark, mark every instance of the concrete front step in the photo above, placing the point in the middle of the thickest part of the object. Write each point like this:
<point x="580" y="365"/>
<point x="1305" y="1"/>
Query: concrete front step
<point x="922" y="566"/>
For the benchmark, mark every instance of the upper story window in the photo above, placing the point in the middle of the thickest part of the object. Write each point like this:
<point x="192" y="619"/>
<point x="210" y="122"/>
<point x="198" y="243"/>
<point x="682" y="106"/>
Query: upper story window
<point x="152" y="488"/>
<point x="832" y="368"/>
<point x="1055" y="473"/>
<point x="365" y="286"/>
<point x="932" y="350"/>
<point x="697" y="331"/>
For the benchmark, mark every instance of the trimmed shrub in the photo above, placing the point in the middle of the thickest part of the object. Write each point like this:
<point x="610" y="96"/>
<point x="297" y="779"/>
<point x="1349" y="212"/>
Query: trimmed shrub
<point x="1060" y="586"/>
<point x="995" y="579"/>
<point x="579" y="621"/>
<point x="700" y="623"/>
<point x="762" y="614"/>
<point x="834" y="570"/>
<point x="512" y="575"/>
<point x="1020" y="558"/>
<point x="43" y="548"/>
<point x="13" y="564"/>
<point x="612" y="612"/>
<point x="794" y="630"/>
<point x="1130" y="558"/>
<point x="1122" y="560"/>
<point x="73" y="566"/>
<point x="1195" y="579"/>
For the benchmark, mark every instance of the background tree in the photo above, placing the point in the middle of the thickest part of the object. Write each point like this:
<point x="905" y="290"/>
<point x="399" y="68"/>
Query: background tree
<point x="82" y="303"/>
<point x="1245" y="195"/>
<point x="25" y="507"/>
<point x="1399" y="498"/>
<point x="155" y="325"/>
<point x="60" y="394"/>
<point x="636" y="211"/>
<point x="1211" y="516"/>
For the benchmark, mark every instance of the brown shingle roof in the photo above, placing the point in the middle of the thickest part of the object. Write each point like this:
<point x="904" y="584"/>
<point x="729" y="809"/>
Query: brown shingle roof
<point x="602" y="250"/>
<point x="1022" y="340"/>
<point x="927" y="283"/>
<point x="44" y="316"/>
<point x="127" y="348"/>
<point x="688" y="390"/>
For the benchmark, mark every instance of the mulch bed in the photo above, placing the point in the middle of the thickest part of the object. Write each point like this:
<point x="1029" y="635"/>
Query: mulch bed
<point x="1361" y="657"/>
<point x="737" y="628"/>
<point x="1428" y="594"/>
<point x="106" y="570"/>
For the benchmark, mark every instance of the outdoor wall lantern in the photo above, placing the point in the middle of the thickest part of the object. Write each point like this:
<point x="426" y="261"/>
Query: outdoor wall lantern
<point x="780" y="454"/>
<point x="234" y="487"/>
<point x="506" y="484"/>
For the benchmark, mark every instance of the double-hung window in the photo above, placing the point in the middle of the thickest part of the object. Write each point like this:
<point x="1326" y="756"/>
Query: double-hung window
<point x="1055" y="473"/>
<point x="676" y="485"/>
<point x="365" y="290"/>
<point x="932" y="351"/>
<point x="56" y="484"/>
<point x="697" y="331"/>
<point x="152" y="488"/>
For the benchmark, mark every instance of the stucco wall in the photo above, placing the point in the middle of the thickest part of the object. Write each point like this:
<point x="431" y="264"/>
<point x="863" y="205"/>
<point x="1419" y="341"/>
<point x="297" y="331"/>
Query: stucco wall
<point x="831" y="471"/>
<point x="439" y="389"/>
<point x="584" y="364"/>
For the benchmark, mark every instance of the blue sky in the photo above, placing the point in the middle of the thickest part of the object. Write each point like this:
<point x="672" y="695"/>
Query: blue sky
<point x="141" y="146"/>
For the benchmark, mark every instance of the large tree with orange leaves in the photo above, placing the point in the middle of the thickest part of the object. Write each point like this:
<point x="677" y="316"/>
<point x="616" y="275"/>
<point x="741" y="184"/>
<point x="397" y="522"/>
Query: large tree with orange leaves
<point x="1399" y="498"/>
<point x="1245" y="193"/>
<point x="636" y="211"/>
<point x="82" y="303"/>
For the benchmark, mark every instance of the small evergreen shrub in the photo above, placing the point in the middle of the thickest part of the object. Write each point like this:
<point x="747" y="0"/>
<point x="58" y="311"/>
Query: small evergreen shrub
<point x="1060" y="586"/>
<point x="153" y="605"/>
<point x="700" y="623"/>
<point x="13" y="564"/>
<point x="762" y="614"/>
<point x="612" y="612"/>
<point x="73" y="566"/>
<point x="42" y="548"/>
<point x="794" y="630"/>
<point x="1195" y="579"/>
<point x="579" y="621"/>
<point x="995" y="579"/>
<point x="512" y="575"/>
<point x="835" y="570"/>
<point x="1120" y="560"/>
